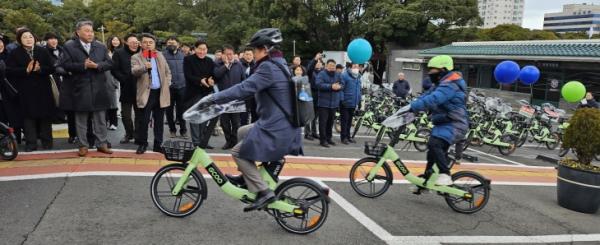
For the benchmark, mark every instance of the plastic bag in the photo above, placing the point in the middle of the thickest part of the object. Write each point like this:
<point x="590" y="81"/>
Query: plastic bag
<point x="198" y="114"/>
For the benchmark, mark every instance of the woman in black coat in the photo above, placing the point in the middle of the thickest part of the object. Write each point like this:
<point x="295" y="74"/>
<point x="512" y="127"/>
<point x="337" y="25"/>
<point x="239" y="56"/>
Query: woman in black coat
<point x="9" y="102"/>
<point x="29" y="67"/>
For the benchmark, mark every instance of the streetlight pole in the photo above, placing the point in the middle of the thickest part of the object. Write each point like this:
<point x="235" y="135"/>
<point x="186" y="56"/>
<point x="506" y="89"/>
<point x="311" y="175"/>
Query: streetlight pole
<point x="102" y="30"/>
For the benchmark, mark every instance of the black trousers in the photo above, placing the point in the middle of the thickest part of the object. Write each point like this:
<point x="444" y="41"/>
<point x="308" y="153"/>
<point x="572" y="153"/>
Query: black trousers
<point x="152" y="109"/>
<point x="126" y="116"/>
<point x="438" y="154"/>
<point x="230" y="122"/>
<point x="38" y="127"/>
<point x="250" y="116"/>
<point x="326" y="120"/>
<point x="177" y="106"/>
<point x="111" y="117"/>
<point x="72" y="127"/>
<point x="346" y="115"/>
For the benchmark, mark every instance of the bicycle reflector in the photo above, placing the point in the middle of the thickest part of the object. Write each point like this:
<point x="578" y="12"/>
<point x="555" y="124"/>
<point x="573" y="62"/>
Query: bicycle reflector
<point x="186" y="207"/>
<point x="313" y="220"/>
<point x="11" y="130"/>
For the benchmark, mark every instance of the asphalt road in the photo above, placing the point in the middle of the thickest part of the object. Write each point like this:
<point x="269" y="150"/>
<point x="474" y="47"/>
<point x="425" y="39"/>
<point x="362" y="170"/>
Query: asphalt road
<point x="118" y="210"/>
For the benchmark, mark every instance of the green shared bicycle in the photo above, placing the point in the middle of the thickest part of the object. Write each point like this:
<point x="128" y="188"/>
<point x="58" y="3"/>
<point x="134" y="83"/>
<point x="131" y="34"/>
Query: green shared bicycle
<point x="372" y="176"/>
<point x="179" y="189"/>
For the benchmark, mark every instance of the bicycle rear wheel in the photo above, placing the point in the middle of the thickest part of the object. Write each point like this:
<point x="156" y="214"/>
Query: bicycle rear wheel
<point x="189" y="199"/>
<point x="476" y="185"/>
<point x="373" y="188"/>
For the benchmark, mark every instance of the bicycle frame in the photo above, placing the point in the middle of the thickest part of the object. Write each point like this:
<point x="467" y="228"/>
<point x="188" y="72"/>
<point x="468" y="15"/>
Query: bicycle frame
<point x="390" y="154"/>
<point x="200" y="157"/>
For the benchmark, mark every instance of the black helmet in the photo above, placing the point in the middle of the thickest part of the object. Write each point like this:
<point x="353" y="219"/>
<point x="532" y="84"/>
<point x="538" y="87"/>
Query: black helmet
<point x="266" y="37"/>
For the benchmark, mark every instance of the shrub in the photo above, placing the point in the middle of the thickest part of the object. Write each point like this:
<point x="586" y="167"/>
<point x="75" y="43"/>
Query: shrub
<point x="583" y="135"/>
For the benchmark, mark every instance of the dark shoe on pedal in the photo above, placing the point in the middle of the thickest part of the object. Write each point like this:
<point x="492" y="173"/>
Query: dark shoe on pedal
<point x="237" y="180"/>
<point x="263" y="198"/>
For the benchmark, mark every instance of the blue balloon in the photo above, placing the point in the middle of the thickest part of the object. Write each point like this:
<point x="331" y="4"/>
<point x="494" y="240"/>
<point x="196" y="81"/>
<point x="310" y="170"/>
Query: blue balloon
<point x="507" y="72"/>
<point x="529" y="75"/>
<point x="359" y="51"/>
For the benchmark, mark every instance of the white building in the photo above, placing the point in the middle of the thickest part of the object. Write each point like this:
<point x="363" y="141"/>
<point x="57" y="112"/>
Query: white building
<point x="498" y="12"/>
<point x="574" y="18"/>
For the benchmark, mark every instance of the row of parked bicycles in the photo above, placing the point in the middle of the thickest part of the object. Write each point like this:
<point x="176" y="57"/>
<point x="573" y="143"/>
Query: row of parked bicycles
<point x="493" y="122"/>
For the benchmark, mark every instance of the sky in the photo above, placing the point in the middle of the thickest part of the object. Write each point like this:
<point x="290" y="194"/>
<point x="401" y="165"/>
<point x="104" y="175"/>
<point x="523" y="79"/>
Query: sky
<point x="533" y="18"/>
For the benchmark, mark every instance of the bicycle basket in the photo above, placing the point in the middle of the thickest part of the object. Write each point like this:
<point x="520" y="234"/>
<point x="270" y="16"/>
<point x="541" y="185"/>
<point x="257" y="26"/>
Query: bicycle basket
<point x="179" y="151"/>
<point x="374" y="148"/>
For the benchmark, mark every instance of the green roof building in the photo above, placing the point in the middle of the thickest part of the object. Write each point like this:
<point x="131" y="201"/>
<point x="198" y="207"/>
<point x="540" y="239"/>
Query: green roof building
<point x="559" y="61"/>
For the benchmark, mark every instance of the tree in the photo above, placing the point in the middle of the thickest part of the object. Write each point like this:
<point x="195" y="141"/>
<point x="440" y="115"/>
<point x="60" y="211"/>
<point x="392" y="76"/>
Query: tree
<point x="24" y="17"/>
<point x="117" y="28"/>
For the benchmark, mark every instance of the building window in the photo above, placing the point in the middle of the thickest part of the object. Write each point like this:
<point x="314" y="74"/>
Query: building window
<point x="411" y="66"/>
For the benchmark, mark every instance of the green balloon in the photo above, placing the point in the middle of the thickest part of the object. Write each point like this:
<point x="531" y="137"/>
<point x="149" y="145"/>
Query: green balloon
<point x="573" y="91"/>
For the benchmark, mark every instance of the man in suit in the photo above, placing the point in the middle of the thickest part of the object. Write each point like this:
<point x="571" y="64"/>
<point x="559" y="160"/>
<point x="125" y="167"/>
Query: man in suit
<point x="85" y="89"/>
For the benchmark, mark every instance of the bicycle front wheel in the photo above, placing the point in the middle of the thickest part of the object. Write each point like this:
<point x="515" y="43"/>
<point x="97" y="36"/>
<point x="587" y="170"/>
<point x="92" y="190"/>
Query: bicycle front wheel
<point x="370" y="188"/>
<point x="311" y="200"/>
<point x="474" y="184"/>
<point x="187" y="201"/>
<point x="8" y="148"/>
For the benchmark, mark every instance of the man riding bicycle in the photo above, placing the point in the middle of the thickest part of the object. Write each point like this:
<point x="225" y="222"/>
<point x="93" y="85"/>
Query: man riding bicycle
<point x="272" y="136"/>
<point x="447" y="104"/>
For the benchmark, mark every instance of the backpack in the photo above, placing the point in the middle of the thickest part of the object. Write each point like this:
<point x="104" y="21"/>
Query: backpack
<point x="302" y="106"/>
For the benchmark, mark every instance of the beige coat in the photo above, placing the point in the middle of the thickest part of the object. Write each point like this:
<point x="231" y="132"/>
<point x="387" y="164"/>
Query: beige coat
<point x="138" y="69"/>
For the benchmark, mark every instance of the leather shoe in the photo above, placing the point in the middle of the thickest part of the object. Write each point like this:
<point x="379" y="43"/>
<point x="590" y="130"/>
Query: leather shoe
<point x="351" y="140"/>
<point x="263" y="198"/>
<point x="227" y="146"/>
<point x="126" y="139"/>
<point x="323" y="144"/>
<point x="345" y="142"/>
<point x="104" y="149"/>
<point x="330" y="142"/>
<point x="141" y="149"/>
<point x="83" y="151"/>
<point x="308" y="137"/>
<point x="208" y="147"/>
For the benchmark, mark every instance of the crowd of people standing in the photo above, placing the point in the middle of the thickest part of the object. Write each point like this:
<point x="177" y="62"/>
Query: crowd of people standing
<point x="89" y="85"/>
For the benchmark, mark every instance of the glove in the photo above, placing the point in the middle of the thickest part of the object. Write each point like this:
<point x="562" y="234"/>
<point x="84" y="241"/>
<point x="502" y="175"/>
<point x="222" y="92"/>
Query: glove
<point x="206" y="101"/>
<point x="403" y="110"/>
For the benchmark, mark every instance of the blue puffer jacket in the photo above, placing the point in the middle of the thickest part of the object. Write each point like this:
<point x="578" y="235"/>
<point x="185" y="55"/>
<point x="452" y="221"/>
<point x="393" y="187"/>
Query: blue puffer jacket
<point x="175" y="62"/>
<point x="447" y="105"/>
<point x="352" y="94"/>
<point x="328" y="98"/>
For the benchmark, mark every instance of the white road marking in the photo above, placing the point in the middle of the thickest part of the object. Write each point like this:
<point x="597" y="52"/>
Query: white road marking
<point x="566" y="238"/>
<point x="497" y="157"/>
<point x="361" y="217"/>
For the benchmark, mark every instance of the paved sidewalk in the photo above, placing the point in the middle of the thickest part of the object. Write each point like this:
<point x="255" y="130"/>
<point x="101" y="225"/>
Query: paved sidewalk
<point x="335" y="168"/>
